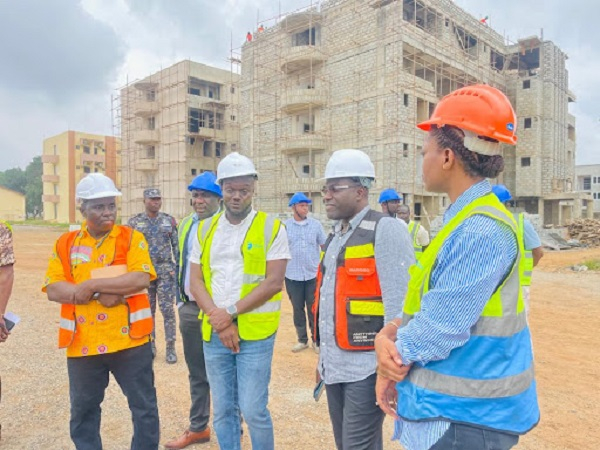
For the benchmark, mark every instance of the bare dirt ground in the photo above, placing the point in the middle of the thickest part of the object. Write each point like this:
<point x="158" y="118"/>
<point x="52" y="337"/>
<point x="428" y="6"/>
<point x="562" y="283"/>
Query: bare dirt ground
<point x="565" y="319"/>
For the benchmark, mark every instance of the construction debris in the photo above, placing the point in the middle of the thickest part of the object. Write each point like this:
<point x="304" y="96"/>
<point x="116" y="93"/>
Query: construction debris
<point x="586" y="231"/>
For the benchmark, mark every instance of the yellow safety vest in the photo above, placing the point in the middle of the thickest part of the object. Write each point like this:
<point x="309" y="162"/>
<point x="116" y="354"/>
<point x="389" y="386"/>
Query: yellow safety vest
<point x="413" y="230"/>
<point x="527" y="260"/>
<point x="261" y="322"/>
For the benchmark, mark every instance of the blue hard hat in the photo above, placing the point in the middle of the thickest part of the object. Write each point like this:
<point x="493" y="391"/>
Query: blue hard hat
<point x="299" y="197"/>
<point x="502" y="193"/>
<point x="206" y="181"/>
<point x="388" y="194"/>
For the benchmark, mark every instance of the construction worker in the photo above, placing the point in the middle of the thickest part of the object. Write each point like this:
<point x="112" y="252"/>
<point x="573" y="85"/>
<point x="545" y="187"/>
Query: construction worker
<point x="531" y="240"/>
<point x="305" y="238"/>
<point x="99" y="275"/>
<point x="462" y="356"/>
<point x="237" y="269"/>
<point x="160" y="230"/>
<point x="206" y="198"/>
<point x="7" y="261"/>
<point x="361" y="282"/>
<point x="389" y="201"/>
<point x="419" y="234"/>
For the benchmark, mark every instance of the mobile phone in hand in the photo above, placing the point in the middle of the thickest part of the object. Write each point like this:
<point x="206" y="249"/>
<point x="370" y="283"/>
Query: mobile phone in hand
<point x="11" y="319"/>
<point x="318" y="390"/>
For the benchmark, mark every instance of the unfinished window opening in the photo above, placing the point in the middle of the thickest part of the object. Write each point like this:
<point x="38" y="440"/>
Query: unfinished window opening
<point x="207" y="149"/>
<point x="151" y="123"/>
<point x="526" y="84"/>
<point x="306" y="37"/>
<point x="150" y="151"/>
<point x="467" y="42"/>
<point x="232" y="118"/>
<point x="527" y="61"/>
<point x="527" y="122"/>
<point x="571" y="132"/>
<point x="302" y="165"/>
<point x="86" y="149"/>
<point x="150" y="95"/>
<point x="194" y="171"/>
<point x="526" y="161"/>
<point x="86" y="169"/>
<point x="219" y="149"/>
<point x="447" y="22"/>
<point x="204" y="88"/>
<point x="232" y="90"/>
<point x="587" y="183"/>
<point x="306" y="169"/>
<point x="422" y="110"/>
<point x="405" y="150"/>
<point x="423" y="17"/>
<point x="200" y="118"/>
<point x="191" y="140"/>
<point x="405" y="99"/>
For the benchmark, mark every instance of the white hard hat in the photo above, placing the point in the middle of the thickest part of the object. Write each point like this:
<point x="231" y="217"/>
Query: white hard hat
<point x="235" y="165"/>
<point x="96" y="185"/>
<point x="349" y="163"/>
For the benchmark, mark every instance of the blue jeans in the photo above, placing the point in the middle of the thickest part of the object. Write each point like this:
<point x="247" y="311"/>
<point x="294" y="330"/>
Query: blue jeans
<point x="240" y="383"/>
<point x="465" y="437"/>
<point x="88" y="379"/>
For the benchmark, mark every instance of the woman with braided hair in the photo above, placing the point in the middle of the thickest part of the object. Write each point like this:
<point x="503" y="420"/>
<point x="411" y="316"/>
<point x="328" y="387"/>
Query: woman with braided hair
<point x="456" y="369"/>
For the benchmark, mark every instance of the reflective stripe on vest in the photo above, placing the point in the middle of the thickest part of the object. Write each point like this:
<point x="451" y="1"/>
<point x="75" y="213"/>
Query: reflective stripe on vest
<point x="140" y="314"/>
<point x="489" y="381"/>
<point x="358" y="310"/>
<point x="261" y="322"/>
<point x="413" y="230"/>
<point x="7" y="225"/>
<point x="184" y="227"/>
<point x="527" y="261"/>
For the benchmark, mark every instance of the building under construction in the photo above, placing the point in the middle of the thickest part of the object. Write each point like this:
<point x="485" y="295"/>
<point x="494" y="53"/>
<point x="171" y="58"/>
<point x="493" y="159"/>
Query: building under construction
<point x="362" y="73"/>
<point x="174" y="125"/>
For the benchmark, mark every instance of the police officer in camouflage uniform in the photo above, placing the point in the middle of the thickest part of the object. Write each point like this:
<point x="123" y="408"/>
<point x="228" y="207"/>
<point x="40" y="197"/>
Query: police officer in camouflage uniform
<point x="160" y="230"/>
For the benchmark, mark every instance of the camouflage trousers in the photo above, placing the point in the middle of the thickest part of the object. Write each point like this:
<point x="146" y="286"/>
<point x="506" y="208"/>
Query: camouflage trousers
<point x="164" y="290"/>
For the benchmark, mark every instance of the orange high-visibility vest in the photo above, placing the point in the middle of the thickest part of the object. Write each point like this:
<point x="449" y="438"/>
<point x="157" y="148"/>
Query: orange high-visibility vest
<point x="140" y="315"/>
<point x="359" y="309"/>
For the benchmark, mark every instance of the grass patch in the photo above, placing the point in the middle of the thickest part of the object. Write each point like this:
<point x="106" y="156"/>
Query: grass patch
<point x="41" y="223"/>
<point x="592" y="264"/>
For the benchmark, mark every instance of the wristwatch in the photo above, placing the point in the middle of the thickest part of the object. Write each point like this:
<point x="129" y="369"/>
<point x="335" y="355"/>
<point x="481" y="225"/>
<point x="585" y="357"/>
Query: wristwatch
<point x="96" y="295"/>
<point x="232" y="311"/>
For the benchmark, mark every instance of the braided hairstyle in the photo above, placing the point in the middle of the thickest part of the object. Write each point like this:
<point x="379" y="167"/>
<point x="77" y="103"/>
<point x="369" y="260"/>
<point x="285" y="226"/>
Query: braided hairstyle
<point x="475" y="164"/>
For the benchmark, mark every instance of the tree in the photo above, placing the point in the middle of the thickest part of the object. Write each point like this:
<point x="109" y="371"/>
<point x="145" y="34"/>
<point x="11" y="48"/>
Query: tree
<point x="28" y="182"/>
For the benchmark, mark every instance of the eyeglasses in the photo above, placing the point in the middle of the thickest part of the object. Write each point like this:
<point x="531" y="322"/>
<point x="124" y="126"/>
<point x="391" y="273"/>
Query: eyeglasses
<point x="335" y="188"/>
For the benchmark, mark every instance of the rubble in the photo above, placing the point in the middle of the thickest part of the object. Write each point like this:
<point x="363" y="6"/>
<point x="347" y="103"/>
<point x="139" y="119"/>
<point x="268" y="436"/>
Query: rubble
<point x="586" y="231"/>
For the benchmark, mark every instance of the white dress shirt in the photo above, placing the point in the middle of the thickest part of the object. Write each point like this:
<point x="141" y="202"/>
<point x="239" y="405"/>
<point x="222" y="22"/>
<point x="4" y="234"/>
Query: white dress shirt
<point x="227" y="262"/>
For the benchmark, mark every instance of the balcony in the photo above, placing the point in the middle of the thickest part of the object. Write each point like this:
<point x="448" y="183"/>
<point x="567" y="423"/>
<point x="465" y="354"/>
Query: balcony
<point x="89" y="158"/>
<point x="55" y="179"/>
<point x="303" y="142"/>
<point x="300" y="21"/>
<point x="297" y="99"/>
<point x="146" y="136"/>
<point x="302" y="57"/>
<point x="200" y="102"/>
<point x="144" y="108"/>
<point x="209" y="133"/>
<point x="49" y="198"/>
<point x="146" y="164"/>
<point x="293" y="184"/>
<point x="50" y="159"/>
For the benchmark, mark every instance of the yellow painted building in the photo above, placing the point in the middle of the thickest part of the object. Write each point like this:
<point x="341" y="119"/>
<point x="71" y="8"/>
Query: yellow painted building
<point x="67" y="158"/>
<point x="12" y="205"/>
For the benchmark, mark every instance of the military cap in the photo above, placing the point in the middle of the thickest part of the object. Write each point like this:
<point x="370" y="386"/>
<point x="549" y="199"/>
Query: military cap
<point x="152" y="193"/>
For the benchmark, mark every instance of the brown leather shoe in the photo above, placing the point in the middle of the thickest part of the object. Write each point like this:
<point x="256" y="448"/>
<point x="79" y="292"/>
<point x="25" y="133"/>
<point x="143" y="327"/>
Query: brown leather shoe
<point x="189" y="438"/>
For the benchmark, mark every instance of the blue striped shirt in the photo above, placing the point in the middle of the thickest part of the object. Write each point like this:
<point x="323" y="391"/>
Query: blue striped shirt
<point x="305" y="239"/>
<point x="471" y="264"/>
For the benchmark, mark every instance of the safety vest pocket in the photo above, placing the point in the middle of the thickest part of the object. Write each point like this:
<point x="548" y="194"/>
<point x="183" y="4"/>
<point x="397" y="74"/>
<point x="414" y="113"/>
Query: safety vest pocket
<point x="364" y="318"/>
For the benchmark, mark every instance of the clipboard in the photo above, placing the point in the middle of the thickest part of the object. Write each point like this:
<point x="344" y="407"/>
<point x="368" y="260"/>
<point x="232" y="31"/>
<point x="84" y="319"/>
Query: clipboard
<point x="113" y="272"/>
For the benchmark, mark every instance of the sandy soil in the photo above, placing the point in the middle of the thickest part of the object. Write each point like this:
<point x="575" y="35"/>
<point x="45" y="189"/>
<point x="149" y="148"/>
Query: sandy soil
<point x="35" y="407"/>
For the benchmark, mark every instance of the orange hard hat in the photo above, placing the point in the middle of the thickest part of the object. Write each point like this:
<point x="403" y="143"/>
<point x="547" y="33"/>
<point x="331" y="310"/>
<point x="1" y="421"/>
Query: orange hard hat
<point x="481" y="109"/>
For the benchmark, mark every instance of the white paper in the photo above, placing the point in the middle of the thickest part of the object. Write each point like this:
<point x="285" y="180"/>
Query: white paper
<point x="12" y="317"/>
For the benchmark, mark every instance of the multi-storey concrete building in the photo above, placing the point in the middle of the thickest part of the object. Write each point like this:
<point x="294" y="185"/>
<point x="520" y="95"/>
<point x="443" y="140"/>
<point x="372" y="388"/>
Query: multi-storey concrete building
<point x="361" y="74"/>
<point x="588" y="181"/>
<point x="68" y="157"/>
<point x="175" y="124"/>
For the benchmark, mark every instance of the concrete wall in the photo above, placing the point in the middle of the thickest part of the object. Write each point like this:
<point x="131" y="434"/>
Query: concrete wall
<point x="12" y="206"/>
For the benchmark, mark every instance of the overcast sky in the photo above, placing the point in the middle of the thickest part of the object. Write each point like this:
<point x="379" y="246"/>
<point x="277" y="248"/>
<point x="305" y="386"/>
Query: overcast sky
<point x="60" y="60"/>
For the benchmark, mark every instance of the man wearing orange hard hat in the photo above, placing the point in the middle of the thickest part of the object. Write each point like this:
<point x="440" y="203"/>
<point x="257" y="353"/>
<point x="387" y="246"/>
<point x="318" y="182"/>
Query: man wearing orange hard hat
<point x="459" y="369"/>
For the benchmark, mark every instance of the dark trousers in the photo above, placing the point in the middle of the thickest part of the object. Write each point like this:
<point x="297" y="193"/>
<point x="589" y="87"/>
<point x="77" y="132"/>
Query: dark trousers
<point x="302" y="295"/>
<point x="464" y="437"/>
<point x="357" y="420"/>
<point x="193" y="349"/>
<point x="88" y="379"/>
